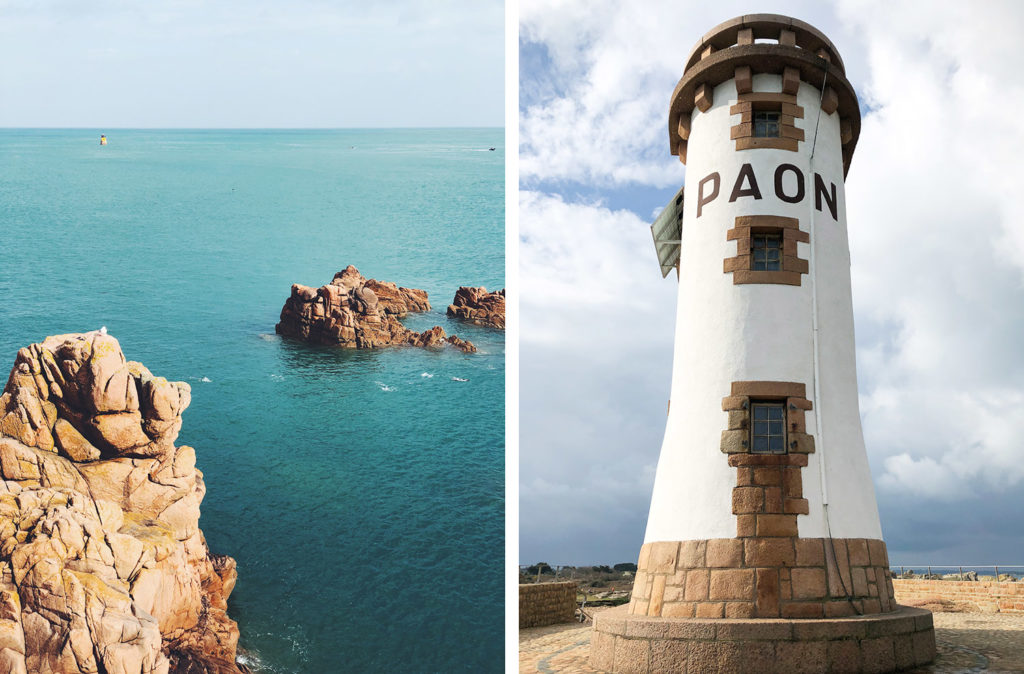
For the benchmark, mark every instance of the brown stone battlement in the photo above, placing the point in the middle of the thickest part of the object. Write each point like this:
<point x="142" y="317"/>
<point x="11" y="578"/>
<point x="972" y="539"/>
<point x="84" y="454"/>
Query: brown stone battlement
<point x="784" y="30"/>
<point x="797" y="51"/>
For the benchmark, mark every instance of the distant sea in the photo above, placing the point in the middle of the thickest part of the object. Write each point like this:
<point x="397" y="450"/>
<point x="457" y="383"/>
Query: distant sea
<point x="360" y="492"/>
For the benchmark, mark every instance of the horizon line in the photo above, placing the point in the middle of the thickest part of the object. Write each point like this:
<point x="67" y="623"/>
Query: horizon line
<point x="239" y="128"/>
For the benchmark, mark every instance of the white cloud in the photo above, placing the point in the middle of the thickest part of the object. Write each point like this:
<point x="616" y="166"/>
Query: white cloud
<point x="937" y="250"/>
<point x="581" y="265"/>
<point x="608" y="125"/>
<point x="955" y="446"/>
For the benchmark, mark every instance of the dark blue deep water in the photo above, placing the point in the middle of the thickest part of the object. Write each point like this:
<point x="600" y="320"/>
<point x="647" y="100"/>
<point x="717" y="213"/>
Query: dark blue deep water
<point x="360" y="492"/>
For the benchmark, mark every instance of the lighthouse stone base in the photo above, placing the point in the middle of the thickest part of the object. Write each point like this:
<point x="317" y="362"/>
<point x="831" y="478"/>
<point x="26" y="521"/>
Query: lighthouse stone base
<point x="886" y="642"/>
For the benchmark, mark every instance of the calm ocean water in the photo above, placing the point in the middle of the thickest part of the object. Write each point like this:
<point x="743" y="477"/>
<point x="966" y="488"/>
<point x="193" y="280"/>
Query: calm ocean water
<point x="361" y="493"/>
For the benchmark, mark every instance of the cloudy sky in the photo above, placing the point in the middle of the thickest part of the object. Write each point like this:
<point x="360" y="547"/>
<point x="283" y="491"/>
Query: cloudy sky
<point x="936" y="237"/>
<point x="251" y="63"/>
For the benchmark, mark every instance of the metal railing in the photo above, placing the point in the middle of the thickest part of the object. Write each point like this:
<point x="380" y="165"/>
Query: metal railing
<point x="963" y="571"/>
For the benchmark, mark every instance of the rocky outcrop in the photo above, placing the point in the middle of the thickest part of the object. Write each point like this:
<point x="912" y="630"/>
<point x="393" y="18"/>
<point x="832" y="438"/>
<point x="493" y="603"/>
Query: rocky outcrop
<point x="103" y="567"/>
<point x="359" y="313"/>
<point x="479" y="306"/>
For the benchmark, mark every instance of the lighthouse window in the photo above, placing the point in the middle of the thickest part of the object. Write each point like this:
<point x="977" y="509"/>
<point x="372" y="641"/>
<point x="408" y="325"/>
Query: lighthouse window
<point x="766" y="124"/>
<point x="767" y="250"/>
<point x="768" y="431"/>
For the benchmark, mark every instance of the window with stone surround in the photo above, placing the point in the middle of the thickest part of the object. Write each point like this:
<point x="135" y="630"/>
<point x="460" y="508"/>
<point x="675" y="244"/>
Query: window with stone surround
<point x="779" y="406"/>
<point x="766" y="250"/>
<point x="768" y="428"/>
<point x="767" y="120"/>
<point x="767" y="442"/>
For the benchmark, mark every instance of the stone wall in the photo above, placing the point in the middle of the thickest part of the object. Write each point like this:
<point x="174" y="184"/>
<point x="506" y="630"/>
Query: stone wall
<point x="546" y="604"/>
<point x="985" y="596"/>
<point x="762" y="577"/>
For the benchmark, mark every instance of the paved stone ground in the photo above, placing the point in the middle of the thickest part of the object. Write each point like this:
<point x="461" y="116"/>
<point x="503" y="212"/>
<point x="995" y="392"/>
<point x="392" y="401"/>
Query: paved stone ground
<point x="967" y="642"/>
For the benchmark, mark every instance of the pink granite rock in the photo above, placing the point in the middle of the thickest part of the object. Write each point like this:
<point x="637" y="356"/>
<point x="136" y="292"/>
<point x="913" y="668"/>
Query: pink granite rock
<point x="103" y="566"/>
<point x="479" y="306"/>
<point x="359" y="313"/>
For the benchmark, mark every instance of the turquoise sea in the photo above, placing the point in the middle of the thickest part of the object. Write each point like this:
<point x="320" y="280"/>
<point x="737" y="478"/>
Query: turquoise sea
<point x="360" y="492"/>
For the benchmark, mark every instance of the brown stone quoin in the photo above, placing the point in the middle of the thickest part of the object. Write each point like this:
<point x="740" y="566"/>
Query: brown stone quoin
<point x="784" y="103"/>
<point x="767" y="571"/>
<point x="741" y="266"/>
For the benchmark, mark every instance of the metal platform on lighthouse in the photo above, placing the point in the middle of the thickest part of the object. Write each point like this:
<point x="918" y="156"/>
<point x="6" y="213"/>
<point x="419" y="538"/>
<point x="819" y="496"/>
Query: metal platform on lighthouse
<point x="667" y="232"/>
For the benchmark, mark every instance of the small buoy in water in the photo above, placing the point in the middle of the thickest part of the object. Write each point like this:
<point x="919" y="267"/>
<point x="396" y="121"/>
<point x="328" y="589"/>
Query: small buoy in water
<point x="103" y="140"/>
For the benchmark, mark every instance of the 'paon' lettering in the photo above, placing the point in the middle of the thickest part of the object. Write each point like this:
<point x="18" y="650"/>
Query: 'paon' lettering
<point x="746" y="185"/>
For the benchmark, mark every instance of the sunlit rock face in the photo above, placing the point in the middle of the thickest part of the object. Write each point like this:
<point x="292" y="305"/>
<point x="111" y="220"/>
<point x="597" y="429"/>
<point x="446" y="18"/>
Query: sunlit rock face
<point x="103" y="567"/>
<point x="479" y="306"/>
<point x="359" y="313"/>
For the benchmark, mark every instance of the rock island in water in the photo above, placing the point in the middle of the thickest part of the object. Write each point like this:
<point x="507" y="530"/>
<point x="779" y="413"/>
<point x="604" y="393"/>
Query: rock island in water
<point x="360" y="313"/>
<point x="476" y="305"/>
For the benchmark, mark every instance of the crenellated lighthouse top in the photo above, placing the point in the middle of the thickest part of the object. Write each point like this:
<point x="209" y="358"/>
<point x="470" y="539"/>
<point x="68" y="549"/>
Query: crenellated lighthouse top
<point x="765" y="27"/>
<point x="732" y="47"/>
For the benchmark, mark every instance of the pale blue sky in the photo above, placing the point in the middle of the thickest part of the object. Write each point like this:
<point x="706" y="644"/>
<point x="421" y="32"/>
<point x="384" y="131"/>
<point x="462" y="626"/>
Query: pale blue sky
<point x="252" y="63"/>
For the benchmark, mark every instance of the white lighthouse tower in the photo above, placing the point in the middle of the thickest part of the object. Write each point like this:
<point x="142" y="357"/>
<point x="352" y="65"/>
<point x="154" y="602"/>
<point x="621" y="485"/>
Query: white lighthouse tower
<point x="763" y="547"/>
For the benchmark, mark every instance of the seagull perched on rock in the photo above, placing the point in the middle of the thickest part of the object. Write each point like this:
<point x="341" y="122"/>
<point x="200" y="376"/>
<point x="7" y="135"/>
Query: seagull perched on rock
<point x="103" y="330"/>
